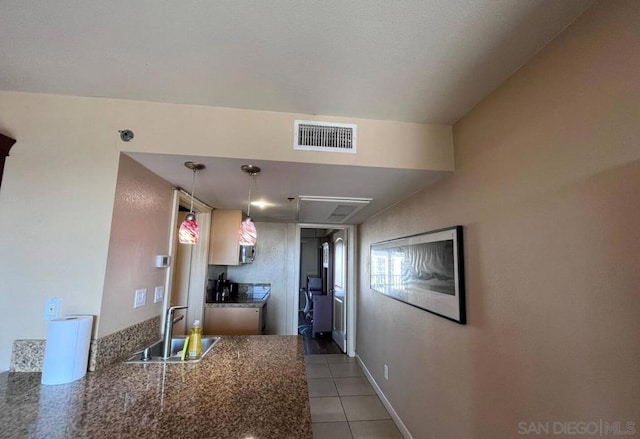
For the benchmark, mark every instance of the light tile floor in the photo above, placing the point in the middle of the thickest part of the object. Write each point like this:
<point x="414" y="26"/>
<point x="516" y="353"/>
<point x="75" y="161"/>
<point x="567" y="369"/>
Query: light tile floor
<point x="343" y="403"/>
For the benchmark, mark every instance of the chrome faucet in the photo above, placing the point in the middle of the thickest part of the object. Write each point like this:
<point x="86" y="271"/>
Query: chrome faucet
<point x="168" y="330"/>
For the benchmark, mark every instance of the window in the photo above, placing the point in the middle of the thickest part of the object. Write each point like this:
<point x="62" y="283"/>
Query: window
<point x="338" y="259"/>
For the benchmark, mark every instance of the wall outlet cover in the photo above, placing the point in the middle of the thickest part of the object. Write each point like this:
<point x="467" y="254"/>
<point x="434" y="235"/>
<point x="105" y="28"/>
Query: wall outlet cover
<point x="158" y="294"/>
<point x="52" y="308"/>
<point x="140" y="298"/>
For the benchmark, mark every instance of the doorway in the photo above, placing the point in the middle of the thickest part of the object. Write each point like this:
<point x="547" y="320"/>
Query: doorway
<point x="339" y="253"/>
<point x="324" y="279"/>
<point x="186" y="277"/>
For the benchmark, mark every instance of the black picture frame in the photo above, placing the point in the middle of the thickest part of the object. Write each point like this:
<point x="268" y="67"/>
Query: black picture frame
<point x="424" y="270"/>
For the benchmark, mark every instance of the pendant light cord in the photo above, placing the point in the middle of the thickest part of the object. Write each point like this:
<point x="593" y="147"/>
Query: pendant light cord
<point x="193" y="188"/>
<point x="249" y="202"/>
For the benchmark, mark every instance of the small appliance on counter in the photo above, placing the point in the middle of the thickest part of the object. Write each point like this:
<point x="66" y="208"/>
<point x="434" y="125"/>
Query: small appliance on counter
<point x="221" y="290"/>
<point x="233" y="290"/>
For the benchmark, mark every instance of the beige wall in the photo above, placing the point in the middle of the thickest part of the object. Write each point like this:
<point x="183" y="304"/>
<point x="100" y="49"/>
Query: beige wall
<point x="546" y="187"/>
<point x="55" y="211"/>
<point x="227" y="132"/>
<point x="139" y="232"/>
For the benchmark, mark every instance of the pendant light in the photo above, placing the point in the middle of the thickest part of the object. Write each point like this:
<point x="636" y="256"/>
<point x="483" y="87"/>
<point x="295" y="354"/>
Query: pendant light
<point x="247" y="235"/>
<point x="189" y="231"/>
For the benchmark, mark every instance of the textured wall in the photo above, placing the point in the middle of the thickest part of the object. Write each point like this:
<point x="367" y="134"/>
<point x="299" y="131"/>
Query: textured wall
<point x="139" y="232"/>
<point x="274" y="264"/>
<point x="546" y="187"/>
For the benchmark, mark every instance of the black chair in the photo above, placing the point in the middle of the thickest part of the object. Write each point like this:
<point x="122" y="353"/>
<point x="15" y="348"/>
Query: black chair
<point x="314" y="285"/>
<point x="321" y="309"/>
<point x="304" y="312"/>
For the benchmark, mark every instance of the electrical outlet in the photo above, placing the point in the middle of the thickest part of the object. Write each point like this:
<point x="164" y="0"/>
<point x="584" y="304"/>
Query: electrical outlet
<point x="52" y="308"/>
<point x="386" y="372"/>
<point x="158" y="294"/>
<point x="140" y="298"/>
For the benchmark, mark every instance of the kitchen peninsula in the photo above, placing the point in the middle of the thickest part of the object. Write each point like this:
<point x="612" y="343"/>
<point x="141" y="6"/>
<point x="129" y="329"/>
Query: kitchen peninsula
<point x="247" y="387"/>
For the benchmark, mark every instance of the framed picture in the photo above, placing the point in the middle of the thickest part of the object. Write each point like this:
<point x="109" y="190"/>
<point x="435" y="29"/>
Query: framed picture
<point x="425" y="271"/>
<point x="325" y="254"/>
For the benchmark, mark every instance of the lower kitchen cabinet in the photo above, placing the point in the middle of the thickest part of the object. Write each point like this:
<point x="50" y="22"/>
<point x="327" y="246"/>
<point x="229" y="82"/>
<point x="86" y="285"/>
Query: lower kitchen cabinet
<point x="234" y="320"/>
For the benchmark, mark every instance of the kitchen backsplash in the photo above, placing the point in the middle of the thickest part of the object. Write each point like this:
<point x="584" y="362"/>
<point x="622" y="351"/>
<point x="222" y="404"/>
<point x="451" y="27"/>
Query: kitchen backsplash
<point x="119" y="345"/>
<point x="251" y="288"/>
<point x="28" y="355"/>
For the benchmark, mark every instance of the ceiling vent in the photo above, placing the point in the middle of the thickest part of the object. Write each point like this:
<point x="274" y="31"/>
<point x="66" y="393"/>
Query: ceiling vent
<point x="324" y="136"/>
<point x="335" y="210"/>
<point x="342" y="212"/>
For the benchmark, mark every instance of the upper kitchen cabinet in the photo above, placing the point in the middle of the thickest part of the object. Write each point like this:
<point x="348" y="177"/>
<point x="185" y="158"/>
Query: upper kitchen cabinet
<point x="224" y="248"/>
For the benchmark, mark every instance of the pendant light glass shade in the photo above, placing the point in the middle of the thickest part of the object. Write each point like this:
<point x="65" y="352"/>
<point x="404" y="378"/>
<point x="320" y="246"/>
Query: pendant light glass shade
<point x="248" y="235"/>
<point x="189" y="232"/>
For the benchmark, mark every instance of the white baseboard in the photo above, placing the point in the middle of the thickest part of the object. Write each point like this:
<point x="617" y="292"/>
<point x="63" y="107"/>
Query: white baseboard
<point x="396" y="419"/>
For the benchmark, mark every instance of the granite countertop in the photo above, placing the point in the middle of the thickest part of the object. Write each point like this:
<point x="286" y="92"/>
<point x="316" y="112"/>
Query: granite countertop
<point x="246" y="387"/>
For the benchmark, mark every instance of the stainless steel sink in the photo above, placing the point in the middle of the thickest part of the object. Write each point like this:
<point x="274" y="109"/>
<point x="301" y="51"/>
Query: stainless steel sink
<point x="153" y="353"/>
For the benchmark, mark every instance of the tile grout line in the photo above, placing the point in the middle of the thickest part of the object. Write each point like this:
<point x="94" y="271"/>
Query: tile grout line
<point x="341" y="404"/>
<point x="343" y="411"/>
<point x="333" y="379"/>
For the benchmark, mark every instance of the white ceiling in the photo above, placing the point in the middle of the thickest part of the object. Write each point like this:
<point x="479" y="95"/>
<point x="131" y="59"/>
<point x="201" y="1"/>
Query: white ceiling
<point x="222" y="184"/>
<point x="427" y="61"/>
<point x="411" y="60"/>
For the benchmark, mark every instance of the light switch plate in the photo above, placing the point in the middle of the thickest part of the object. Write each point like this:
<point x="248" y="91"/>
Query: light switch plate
<point x="140" y="298"/>
<point x="158" y="294"/>
<point x="52" y="308"/>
